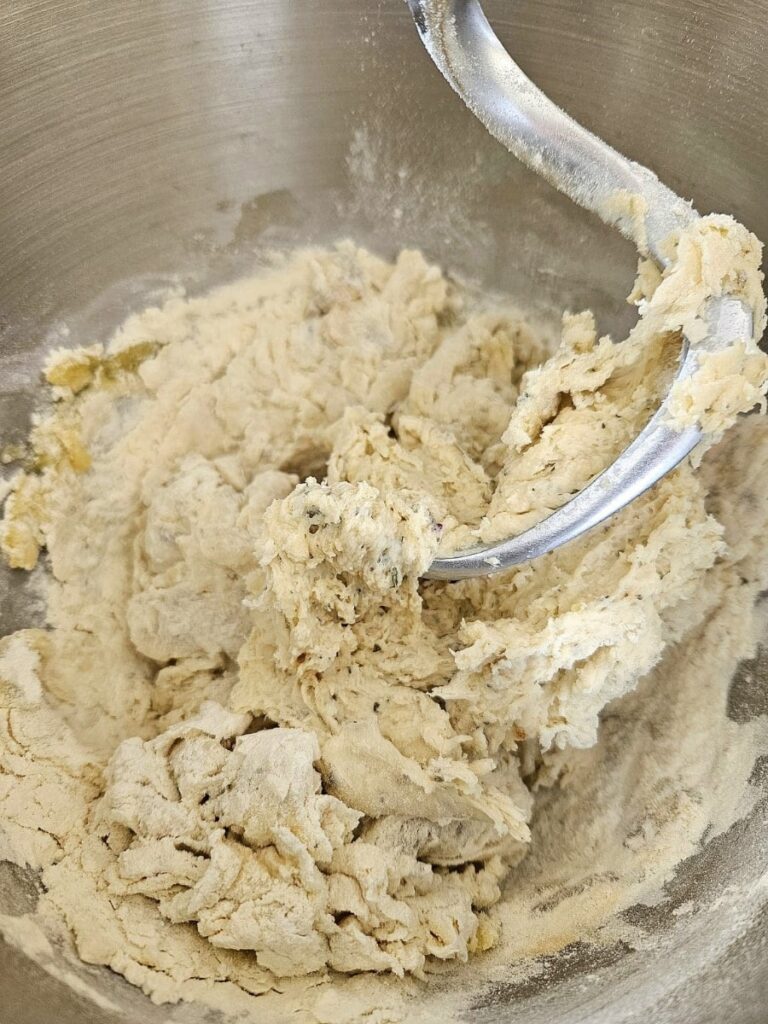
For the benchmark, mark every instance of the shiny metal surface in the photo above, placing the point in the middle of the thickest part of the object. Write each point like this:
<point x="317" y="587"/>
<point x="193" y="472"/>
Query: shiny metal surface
<point x="461" y="42"/>
<point x="143" y="141"/>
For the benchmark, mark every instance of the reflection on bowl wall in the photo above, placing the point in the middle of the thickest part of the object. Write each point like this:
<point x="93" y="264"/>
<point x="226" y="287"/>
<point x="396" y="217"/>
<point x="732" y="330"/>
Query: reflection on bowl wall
<point x="146" y="143"/>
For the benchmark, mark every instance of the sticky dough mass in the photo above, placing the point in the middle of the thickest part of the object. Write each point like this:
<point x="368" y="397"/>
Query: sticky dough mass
<point x="252" y="744"/>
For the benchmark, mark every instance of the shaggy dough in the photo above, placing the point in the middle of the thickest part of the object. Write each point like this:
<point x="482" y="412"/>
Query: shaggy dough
<point x="251" y="745"/>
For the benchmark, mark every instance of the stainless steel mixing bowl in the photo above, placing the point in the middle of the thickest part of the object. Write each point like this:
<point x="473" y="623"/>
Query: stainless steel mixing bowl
<point x="146" y="141"/>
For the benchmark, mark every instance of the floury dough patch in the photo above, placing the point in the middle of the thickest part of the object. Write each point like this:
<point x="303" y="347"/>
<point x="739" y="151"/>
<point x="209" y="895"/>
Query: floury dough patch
<point x="252" y="753"/>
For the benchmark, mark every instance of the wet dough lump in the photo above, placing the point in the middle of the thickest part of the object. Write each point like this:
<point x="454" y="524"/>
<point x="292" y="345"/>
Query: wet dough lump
<point x="251" y="743"/>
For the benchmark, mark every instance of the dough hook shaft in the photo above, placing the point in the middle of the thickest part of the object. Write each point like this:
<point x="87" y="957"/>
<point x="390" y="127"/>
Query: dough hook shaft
<point x="624" y="194"/>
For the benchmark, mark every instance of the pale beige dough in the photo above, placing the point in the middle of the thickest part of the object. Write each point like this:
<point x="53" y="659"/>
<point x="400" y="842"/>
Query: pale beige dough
<point x="252" y="745"/>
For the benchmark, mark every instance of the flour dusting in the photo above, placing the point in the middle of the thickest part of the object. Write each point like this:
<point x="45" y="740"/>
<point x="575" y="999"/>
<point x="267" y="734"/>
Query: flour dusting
<point x="258" y="762"/>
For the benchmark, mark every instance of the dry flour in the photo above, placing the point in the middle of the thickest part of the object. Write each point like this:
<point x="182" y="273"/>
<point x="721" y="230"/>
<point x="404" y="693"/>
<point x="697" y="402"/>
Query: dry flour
<point x="252" y="754"/>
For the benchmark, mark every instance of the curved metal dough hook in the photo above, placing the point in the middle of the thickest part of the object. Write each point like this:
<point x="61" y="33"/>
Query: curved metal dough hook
<point x="625" y="195"/>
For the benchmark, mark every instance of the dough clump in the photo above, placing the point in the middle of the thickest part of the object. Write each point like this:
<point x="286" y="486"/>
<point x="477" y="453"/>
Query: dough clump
<point x="252" y="745"/>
